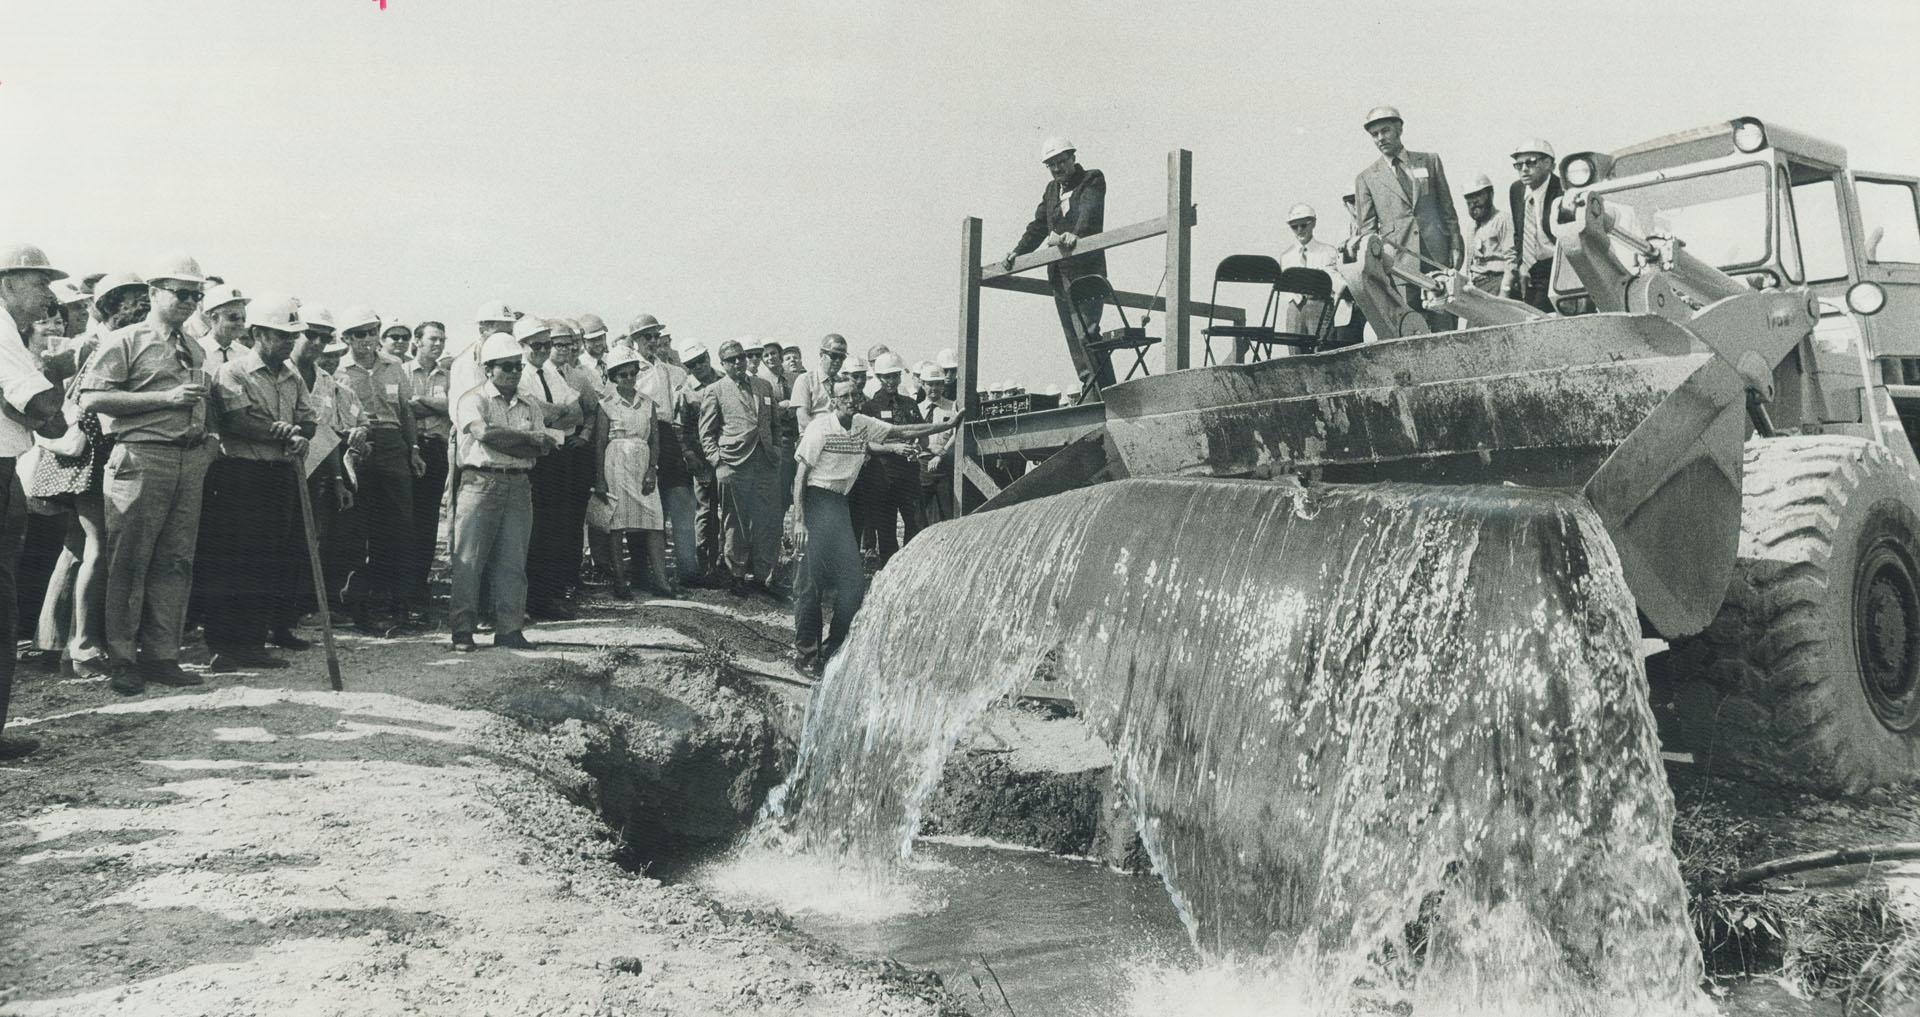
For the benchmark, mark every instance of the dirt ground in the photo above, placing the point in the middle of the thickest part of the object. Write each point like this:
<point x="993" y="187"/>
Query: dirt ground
<point x="261" y="845"/>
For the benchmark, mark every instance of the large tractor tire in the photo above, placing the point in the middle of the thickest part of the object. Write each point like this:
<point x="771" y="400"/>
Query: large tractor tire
<point x="1808" y="677"/>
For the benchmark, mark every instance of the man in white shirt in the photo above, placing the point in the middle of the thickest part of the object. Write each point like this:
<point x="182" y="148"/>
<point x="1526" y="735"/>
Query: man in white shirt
<point x="1530" y="202"/>
<point x="26" y="292"/>
<point x="1490" y="256"/>
<point x="828" y="460"/>
<point x="1303" y="315"/>
<point x="543" y="387"/>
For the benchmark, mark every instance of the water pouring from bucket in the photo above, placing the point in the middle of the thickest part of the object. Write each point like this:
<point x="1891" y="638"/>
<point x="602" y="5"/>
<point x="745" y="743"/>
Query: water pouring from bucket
<point x="1390" y="744"/>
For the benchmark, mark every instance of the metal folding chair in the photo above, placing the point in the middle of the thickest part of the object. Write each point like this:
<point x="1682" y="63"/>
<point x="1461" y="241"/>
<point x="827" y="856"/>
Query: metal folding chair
<point x="1311" y="284"/>
<point x="1095" y="289"/>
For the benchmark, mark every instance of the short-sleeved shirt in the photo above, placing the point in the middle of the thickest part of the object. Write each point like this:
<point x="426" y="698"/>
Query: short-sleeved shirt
<point x="834" y="454"/>
<point x="20" y="381"/>
<point x="383" y="390"/>
<point x="247" y="384"/>
<point x="427" y="383"/>
<point x="547" y="390"/>
<point x="663" y="383"/>
<point x="217" y="354"/>
<point x="485" y="407"/>
<point x="148" y="357"/>
<point x="812" y="391"/>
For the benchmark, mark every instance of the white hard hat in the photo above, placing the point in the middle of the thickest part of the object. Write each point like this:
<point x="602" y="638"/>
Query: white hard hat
<point x="28" y="258"/>
<point x="389" y="324"/>
<point x="946" y="359"/>
<point x="69" y="292"/>
<point x="116" y="281"/>
<point x="179" y="268"/>
<point x="500" y="346"/>
<point x="621" y="357"/>
<point x="690" y="352"/>
<point x="314" y="314"/>
<point x="1054" y="146"/>
<point x="1301" y="211"/>
<point x="529" y="327"/>
<point x="889" y="363"/>
<point x="591" y="326"/>
<point x="222" y="295"/>
<point x="493" y="310"/>
<point x="927" y="370"/>
<point x="644" y="323"/>
<point x="1052" y="390"/>
<point x="358" y="317"/>
<point x="282" y="314"/>
<point x="1535" y="146"/>
<point x="1379" y="113"/>
<point x="853" y="365"/>
<point x="1480" y="183"/>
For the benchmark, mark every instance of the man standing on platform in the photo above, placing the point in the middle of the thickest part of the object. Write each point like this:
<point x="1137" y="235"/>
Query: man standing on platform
<point x="431" y="385"/>
<point x="252" y="509"/>
<point x="1490" y="258"/>
<point x="385" y="494"/>
<point x="830" y="455"/>
<point x="1404" y="198"/>
<point x="1303" y="315"/>
<point x="148" y="383"/>
<point x="736" y="432"/>
<point x="1531" y="201"/>
<point x="500" y="438"/>
<point x="1072" y="208"/>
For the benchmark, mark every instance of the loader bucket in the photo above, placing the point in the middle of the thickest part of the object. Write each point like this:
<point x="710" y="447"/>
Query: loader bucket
<point x="1630" y="410"/>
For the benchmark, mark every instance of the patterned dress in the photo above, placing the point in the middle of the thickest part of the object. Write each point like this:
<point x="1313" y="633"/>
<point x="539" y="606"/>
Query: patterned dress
<point x="627" y="463"/>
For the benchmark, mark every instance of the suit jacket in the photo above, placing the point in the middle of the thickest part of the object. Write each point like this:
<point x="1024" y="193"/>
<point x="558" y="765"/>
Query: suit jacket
<point x="1517" y="210"/>
<point x="1085" y="216"/>
<point x="1424" y="221"/>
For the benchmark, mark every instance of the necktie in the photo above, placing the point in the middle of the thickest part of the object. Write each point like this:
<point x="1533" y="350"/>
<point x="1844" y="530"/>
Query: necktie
<point x="1406" y="182"/>
<point x="544" y="387"/>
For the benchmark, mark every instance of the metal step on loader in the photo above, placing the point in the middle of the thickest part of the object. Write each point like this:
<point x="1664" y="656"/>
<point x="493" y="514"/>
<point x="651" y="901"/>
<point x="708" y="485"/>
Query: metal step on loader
<point x="1730" y="380"/>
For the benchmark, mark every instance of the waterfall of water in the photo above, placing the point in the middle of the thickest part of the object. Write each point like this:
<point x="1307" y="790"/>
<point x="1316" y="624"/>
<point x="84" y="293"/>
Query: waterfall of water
<point x="1394" y="739"/>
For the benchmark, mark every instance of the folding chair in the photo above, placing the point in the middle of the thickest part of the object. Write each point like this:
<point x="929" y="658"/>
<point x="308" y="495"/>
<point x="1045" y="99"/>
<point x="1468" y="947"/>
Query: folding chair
<point x="1095" y="289"/>
<point x="1311" y="284"/>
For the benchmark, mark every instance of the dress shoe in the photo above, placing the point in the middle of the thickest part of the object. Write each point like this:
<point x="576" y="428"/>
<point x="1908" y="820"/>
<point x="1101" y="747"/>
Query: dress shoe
<point x="221" y="663"/>
<point x="43" y="661"/>
<point x="14" y="746"/>
<point x="125" y="679"/>
<point x="167" y="672"/>
<point x="771" y="592"/>
<point x="286" y="640"/>
<point x="93" y="668"/>
<point x="463" y="642"/>
<point x="513" y="641"/>
<point x="623" y="592"/>
<point x="739" y="587"/>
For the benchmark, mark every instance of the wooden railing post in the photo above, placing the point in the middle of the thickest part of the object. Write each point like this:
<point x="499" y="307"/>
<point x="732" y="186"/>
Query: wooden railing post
<point x="967" y="392"/>
<point x="1179" y="256"/>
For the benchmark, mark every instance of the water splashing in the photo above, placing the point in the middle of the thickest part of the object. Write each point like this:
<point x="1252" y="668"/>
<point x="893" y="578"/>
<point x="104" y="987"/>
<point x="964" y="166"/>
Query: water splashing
<point x="1389" y="745"/>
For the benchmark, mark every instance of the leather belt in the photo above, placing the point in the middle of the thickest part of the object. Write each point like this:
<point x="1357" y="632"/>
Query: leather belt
<point x="498" y="469"/>
<point x="167" y="442"/>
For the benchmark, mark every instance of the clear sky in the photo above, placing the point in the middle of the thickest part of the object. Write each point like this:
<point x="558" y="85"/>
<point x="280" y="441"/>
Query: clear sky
<point x="784" y="170"/>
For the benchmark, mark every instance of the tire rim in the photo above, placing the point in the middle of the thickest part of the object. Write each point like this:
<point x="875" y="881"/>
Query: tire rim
<point x="1887" y="632"/>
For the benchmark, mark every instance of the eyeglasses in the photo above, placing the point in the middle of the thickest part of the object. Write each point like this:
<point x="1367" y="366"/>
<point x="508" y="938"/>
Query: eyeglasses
<point x="1529" y="161"/>
<point x="513" y="366"/>
<point x="736" y="358"/>
<point x="187" y="296"/>
<point x="356" y="335"/>
<point x="830" y="353"/>
<point x="539" y="347"/>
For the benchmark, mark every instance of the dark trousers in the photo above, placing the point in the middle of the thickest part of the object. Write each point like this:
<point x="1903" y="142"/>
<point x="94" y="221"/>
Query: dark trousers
<point x="890" y="503"/>
<point x="247" y="561"/>
<point x="383" y="531"/>
<point x="750" y="511"/>
<point x="706" y="521"/>
<point x="428" y="490"/>
<point x="1437" y="321"/>
<point x="297" y="599"/>
<point x="579" y="489"/>
<point x="1535" y="287"/>
<point x="829" y="571"/>
<point x="559" y="513"/>
<point x="13" y="529"/>
<point x="1080" y="321"/>
<point x="45" y="536"/>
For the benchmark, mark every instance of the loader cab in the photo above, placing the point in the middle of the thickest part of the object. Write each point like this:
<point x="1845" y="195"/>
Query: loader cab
<point x="1775" y="207"/>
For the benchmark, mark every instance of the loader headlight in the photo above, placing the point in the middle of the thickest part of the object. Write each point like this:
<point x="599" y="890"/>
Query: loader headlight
<point x="1749" y="136"/>
<point x="1866" y="298"/>
<point x="1579" y="171"/>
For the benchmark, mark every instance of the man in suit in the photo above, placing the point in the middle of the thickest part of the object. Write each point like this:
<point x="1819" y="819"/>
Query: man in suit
<point x="1530" y="203"/>
<point x="1404" y="198"/>
<point x="1073" y="207"/>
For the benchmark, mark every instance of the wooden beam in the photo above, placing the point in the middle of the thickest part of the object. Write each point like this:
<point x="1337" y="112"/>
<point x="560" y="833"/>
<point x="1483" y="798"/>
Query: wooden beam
<point x="1138" y="301"/>
<point x="1087" y="245"/>
<point x="966" y="389"/>
<point x="1179" y="257"/>
<point x="970" y="470"/>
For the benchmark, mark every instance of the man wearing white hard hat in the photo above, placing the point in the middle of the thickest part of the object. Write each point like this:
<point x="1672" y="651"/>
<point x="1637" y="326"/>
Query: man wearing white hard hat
<point x="893" y="502"/>
<point x="26" y="280"/>
<point x="1531" y="201"/>
<point x="736" y="433"/>
<point x="542" y="386"/>
<point x="251" y="506"/>
<point x="1303" y="315"/>
<point x="1405" y="199"/>
<point x="149" y="385"/>
<point x="699" y="364"/>
<point x="432" y="406"/>
<point x="227" y="335"/>
<point x="1490" y="256"/>
<point x="936" y="472"/>
<point x="1072" y="208"/>
<point x="339" y="426"/>
<point x="501" y="440"/>
<point x="384" y="498"/>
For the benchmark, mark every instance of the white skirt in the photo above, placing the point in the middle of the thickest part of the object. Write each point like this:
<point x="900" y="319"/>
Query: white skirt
<point x="626" y="467"/>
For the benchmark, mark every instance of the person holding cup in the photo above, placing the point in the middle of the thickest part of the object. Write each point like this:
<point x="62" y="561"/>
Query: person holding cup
<point x="148" y="383"/>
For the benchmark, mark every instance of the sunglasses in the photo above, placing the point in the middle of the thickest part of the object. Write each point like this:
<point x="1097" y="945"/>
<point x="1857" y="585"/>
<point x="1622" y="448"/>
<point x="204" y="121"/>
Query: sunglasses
<point x="513" y="366"/>
<point x="1528" y="162"/>
<point x="357" y="335"/>
<point x="187" y="296"/>
<point x="830" y="353"/>
<point x="736" y="358"/>
<point x="539" y="347"/>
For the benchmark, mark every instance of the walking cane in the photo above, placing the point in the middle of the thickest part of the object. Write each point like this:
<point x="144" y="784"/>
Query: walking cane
<point x="319" y="578"/>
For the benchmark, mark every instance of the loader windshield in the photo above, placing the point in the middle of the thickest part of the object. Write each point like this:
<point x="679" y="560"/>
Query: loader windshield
<point x="1722" y="214"/>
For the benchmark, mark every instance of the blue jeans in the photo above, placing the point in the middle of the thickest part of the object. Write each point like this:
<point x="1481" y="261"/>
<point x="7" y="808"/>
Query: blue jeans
<point x="681" y="509"/>
<point x="490" y="534"/>
<point x="830" y="568"/>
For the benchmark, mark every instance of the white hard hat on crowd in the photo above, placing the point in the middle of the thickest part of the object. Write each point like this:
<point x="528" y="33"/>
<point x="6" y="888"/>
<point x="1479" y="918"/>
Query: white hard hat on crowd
<point x="178" y="268"/>
<point x="388" y="326"/>
<point x="592" y="327"/>
<point x="222" y="295"/>
<point x="644" y="323"/>
<point x="853" y="365"/>
<point x="500" y="346"/>
<point x="1379" y="113"/>
<point x="889" y="363"/>
<point x="334" y="344"/>
<point x="619" y="358"/>
<point x="282" y="314"/>
<point x="69" y="292"/>
<point x="931" y="372"/>
<point x="314" y="314"/>
<point x="28" y="258"/>
<point x="1301" y="211"/>
<point x="358" y="317"/>
<point x="833" y="342"/>
<point x="1054" y="146"/>
<point x="563" y="327"/>
<point x="529" y="328"/>
<point x="493" y="310"/>
<point x="116" y="281"/>
<point x="946" y="359"/>
<point x="690" y="352"/>
<point x="1534" y="146"/>
<point x="1480" y="183"/>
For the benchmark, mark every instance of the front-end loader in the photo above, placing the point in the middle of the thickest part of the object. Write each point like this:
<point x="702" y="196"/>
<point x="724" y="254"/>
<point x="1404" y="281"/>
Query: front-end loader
<point x="1728" y="378"/>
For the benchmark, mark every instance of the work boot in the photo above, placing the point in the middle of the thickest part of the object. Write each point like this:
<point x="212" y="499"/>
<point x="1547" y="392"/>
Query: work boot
<point x="286" y="640"/>
<point x="463" y="642"/>
<point x="15" y="746"/>
<point x="167" y="672"/>
<point x="125" y="678"/>
<point x="739" y="587"/>
<point x="93" y="668"/>
<point x="43" y="661"/>
<point x="513" y="641"/>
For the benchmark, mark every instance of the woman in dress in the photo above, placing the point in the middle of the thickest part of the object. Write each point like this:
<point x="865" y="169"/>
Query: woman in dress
<point x="626" y="480"/>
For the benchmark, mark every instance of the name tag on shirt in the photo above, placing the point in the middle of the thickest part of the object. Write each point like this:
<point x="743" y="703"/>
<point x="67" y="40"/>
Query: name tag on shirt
<point x="886" y="414"/>
<point x="1419" y="172"/>
<point x="393" y="391"/>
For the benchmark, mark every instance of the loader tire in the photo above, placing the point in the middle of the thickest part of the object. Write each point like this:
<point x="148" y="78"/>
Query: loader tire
<point x="1810" y="675"/>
